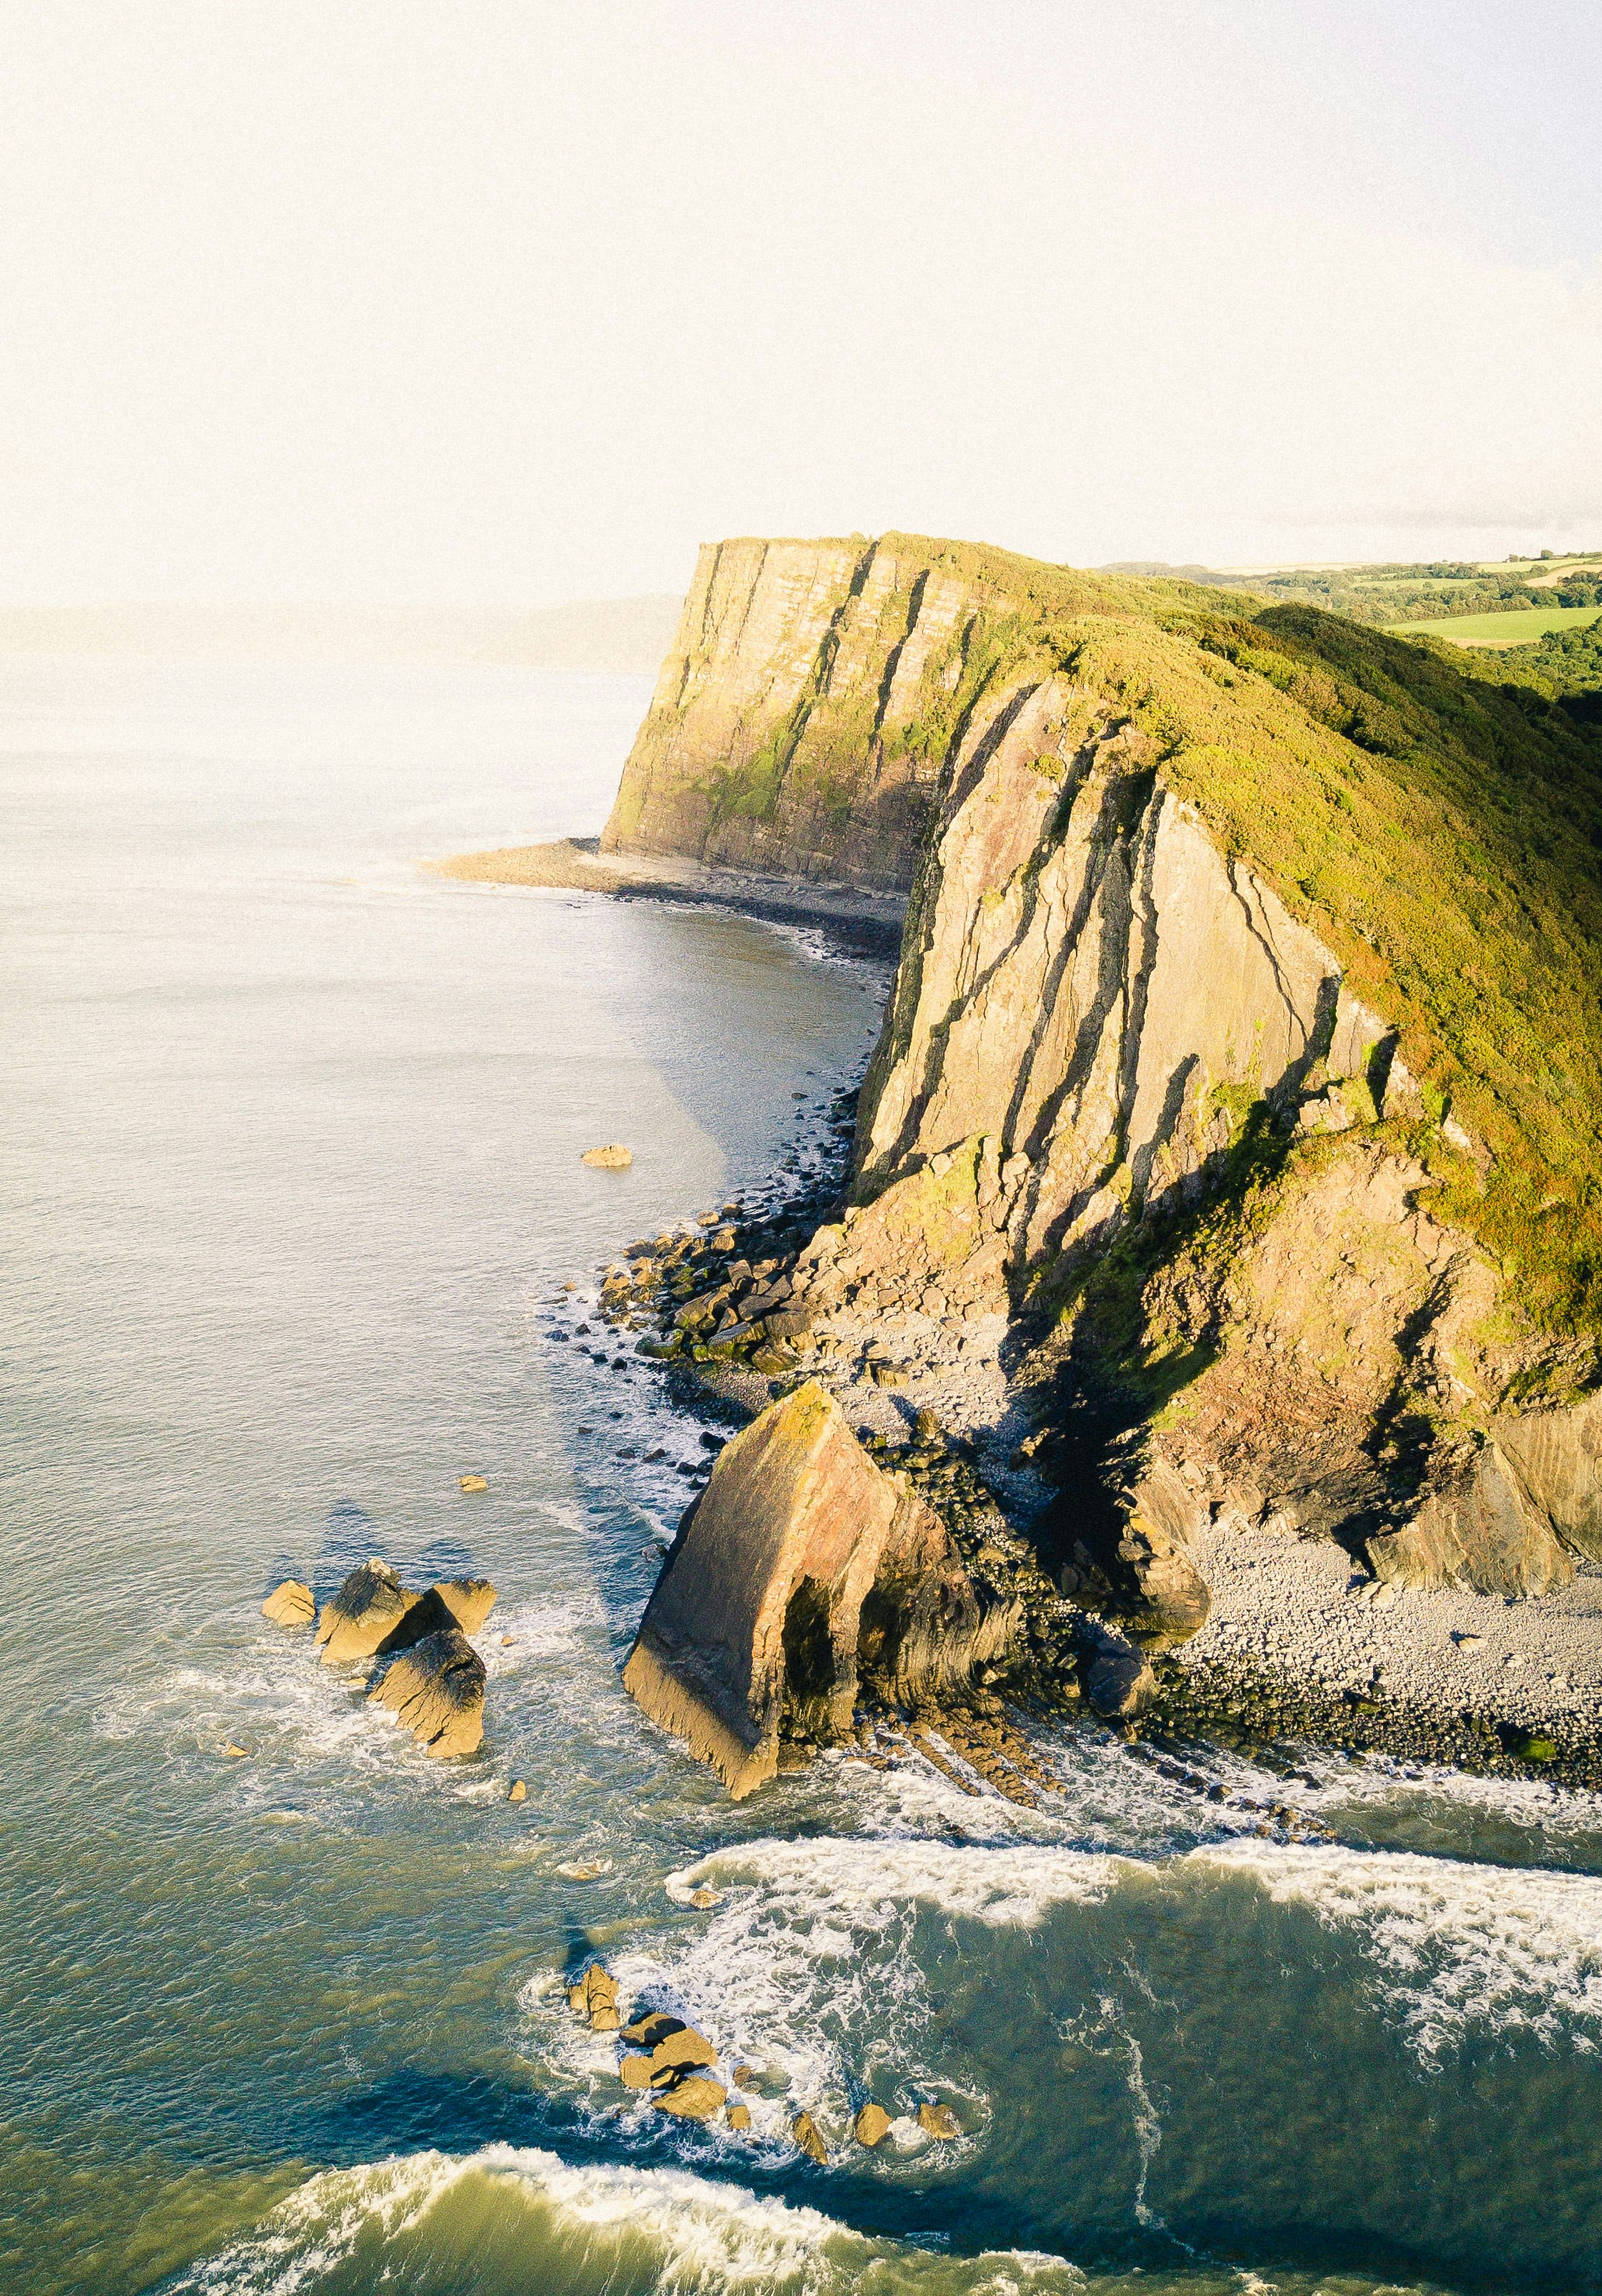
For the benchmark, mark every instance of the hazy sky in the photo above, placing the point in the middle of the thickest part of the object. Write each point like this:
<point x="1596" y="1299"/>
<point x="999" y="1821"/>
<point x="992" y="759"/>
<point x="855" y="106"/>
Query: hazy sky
<point x="465" y="301"/>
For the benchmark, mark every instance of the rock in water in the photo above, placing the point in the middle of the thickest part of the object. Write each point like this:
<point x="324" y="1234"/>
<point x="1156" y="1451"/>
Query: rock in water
<point x="939" y="2120"/>
<point x="357" y="1622"/>
<point x="800" y="1568"/>
<point x="634" y="2072"/>
<point x="804" y="2133"/>
<point x="692" y="2098"/>
<point x="469" y="1601"/>
<point x="614" y="1158"/>
<point x="739" y="2116"/>
<point x="463" y="1602"/>
<point x="684" y="2047"/>
<point x="1121" y="1683"/>
<point x="437" y="1688"/>
<point x="595" y="1998"/>
<point x="872" y="2126"/>
<point x="519" y="1791"/>
<point x="291" y="1603"/>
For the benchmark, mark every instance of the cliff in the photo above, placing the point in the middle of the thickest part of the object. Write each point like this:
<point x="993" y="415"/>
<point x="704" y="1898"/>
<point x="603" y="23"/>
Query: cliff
<point x="797" y="723"/>
<point x="1244" y="1051"/>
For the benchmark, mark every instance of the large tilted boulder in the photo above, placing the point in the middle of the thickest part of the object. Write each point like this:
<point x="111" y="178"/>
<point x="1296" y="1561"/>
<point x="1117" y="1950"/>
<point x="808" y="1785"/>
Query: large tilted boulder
<point x="357" y="1621"/>
<point x="802" y="1572"/>
<point x="437" y="1689"/>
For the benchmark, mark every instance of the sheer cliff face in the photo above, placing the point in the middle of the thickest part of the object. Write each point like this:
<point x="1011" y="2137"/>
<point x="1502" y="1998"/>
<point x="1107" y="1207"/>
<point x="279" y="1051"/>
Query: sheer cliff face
<point x="777" y="737"/>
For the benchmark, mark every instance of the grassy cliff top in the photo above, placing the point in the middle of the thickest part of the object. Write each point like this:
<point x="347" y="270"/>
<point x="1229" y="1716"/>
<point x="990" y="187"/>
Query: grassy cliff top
<point x="1442" y="833"/>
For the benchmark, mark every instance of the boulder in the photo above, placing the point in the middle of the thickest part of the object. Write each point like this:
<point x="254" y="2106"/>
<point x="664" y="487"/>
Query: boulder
<point x="597" y="1990"/>
<point x="939" y="2120"/>
<point x="872" y="2126"/>
<point x="462" y="1603"/>
<point x="519" y="1793"/>
<point x="291" y="1603"/>
<point x="654" y="2026"/>
<point x="437" y="1688"/>
<point x="738" y="2116"/>
<point x="634" y="2072"/>
<point x="1121" y="1683"/>
<point x="801" y="1571"/>
<point x="686" y="2046"/>
<point x="692" y="2098"/>
<point x="358" y="1621"/>
<point x="804" y="2133"/>
<point x="612" y="1157"/>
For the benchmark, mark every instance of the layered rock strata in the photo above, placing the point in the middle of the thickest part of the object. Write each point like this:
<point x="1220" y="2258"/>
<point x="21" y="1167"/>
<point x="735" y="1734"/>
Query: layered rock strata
<point x="802" y="1578"/>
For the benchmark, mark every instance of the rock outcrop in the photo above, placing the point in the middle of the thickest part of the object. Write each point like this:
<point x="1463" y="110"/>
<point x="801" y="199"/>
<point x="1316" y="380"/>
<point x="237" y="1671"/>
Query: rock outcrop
<point x="291" y="1603"/>
<point x="436" y="1688"/>
<point x="802" y="1578"/>
<point x="358" y="1621"/>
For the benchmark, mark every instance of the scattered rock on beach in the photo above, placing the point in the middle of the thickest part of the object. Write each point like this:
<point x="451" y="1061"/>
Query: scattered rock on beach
<point x="437" y="1688"/>
<point x="291" y="1604"/>
<point x="872" y="2126"/>
<point x="614" y="1158"/>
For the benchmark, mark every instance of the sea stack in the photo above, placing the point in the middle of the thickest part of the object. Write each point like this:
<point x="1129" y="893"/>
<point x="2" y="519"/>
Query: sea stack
<point x="802" y="1575"/>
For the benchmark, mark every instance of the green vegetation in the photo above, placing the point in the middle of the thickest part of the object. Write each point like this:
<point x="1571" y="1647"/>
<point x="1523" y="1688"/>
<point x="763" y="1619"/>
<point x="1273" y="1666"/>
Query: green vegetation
<point x="1504" y="629"/>
<point x="1388" y="596"/>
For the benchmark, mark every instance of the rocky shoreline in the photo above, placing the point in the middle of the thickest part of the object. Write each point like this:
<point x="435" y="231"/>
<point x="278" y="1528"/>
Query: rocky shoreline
<point x="1350" y="1663"/>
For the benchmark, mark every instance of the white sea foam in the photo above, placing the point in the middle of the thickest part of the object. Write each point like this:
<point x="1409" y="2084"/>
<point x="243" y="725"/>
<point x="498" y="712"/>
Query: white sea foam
<point x="570" y="2231"/>
<point x="853" y="1881"/>
<point x="1455" y="1945"/>
<point x="810" y="1968"/>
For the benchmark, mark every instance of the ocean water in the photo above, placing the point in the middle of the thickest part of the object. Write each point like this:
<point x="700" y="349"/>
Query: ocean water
<point x="291" y="1185"/>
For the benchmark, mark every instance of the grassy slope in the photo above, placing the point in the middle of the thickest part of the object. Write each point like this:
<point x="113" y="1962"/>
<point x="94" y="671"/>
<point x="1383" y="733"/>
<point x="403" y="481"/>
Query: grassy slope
<point x="1520" y="628"/>
<point x="1441" y="834"/>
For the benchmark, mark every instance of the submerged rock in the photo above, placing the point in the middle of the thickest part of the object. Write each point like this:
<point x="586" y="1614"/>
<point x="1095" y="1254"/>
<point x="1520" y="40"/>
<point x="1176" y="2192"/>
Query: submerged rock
<point x="437" y="1689"/>
<point x="291" y="1603"/>
<point x="801" y="1572"/>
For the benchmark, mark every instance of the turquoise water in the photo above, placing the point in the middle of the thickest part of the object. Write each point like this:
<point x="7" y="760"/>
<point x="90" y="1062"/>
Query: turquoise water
<point x="292" y="1182"/>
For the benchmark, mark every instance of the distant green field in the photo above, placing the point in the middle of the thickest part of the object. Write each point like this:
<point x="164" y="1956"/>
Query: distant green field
<point x="1516" y="628"/>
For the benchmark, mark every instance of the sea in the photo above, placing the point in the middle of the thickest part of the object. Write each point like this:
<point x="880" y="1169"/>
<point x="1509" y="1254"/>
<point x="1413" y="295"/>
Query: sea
<point x="292" y="1191"/>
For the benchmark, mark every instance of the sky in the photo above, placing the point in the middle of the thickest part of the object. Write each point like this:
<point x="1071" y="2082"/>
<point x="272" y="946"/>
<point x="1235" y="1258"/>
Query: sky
<point x="467" y="302"/>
